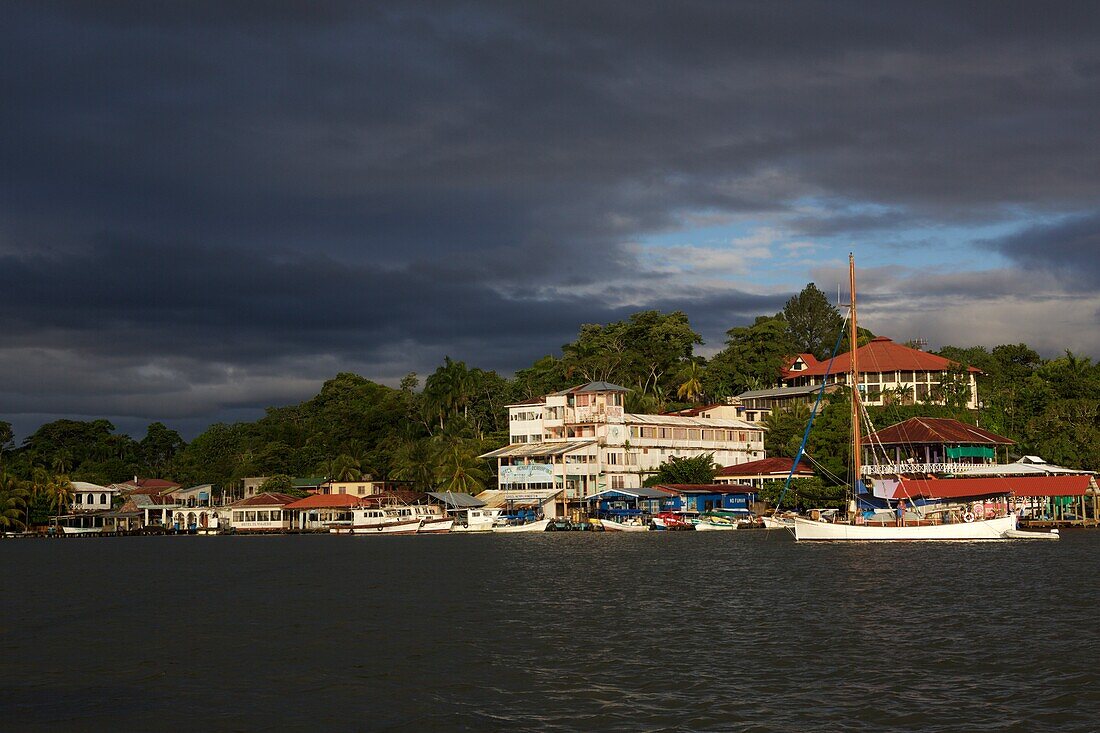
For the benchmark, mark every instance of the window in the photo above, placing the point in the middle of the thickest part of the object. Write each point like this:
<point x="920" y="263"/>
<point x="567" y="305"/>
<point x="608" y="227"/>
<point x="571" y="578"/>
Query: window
<point x="871" y="378"/>
<point x="80" y="498"/>
<point x="616" y="482"/>
<point x="708" y="435"/>
<point x="102" y="498"/>
<point x="250" y="516"/>
<point x="614" y="459"/>
<point x="362" y="490"/>
<point x="261" y="516"/>
<point x="238" y="516"/>
<point x="907" y="377"/>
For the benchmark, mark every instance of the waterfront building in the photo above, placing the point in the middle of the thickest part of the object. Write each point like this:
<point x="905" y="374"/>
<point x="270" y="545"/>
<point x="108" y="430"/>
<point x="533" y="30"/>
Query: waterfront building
<point x="316" y="511"/>
<point x="581" y="441"/>
<point x="541" y="502"/>
<point x="756" y="473"/>
<point x="927" y="445"/>
<point x="700" y="498"/>
<point x="264" y="512"/>
<point x="89" y="497"/>
<point x="360" y="487"/>
<point x="890" y="373"/>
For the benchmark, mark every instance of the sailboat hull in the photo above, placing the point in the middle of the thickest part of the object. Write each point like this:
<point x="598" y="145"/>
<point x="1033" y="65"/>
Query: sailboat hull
<point x="987" y="529"/>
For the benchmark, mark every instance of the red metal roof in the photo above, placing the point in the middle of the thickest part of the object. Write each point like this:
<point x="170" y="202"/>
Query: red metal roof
<point x="880" y="355"/>
<point x="766" y="467"/>
<point x="327" y="501"/>
<point x="938" y="430"/>
<point x="959" y="488"/>
<point x="268" y="498"/>
<point x="704" y="489"/>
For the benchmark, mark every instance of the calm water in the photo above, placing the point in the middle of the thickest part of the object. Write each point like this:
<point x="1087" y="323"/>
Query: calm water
<point x="562" y="631"/>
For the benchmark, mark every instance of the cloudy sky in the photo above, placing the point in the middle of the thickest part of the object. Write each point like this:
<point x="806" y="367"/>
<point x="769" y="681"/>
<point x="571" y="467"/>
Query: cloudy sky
<point x="211" y="207"/>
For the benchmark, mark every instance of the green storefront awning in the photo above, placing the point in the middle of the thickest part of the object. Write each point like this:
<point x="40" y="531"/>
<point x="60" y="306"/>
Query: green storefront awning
<point x="970" y="451"/>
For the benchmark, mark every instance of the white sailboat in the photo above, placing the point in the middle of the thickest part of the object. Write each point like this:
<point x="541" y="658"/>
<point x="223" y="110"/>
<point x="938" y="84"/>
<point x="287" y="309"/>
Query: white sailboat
<point x="852" y="529"/>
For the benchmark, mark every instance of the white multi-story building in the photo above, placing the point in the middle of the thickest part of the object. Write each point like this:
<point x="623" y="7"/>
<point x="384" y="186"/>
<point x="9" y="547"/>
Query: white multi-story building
<point x="582" y="440"/>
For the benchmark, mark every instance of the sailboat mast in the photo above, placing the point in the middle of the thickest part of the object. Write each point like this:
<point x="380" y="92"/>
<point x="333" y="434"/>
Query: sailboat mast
<point x="854" y="377"/>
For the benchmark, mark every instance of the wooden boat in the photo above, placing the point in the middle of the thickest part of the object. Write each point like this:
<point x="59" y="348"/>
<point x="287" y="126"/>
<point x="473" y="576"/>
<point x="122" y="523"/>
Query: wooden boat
<point x="1024" y="534"/>
<point x="612" y="525"/>
<point x="777" y="522"/>
<point x="704" y="525"/>
<point x="388" y="520"/>
<point x="478" y="520"/>
<point x="436" y="525"/>
<point x="539" y="526"/>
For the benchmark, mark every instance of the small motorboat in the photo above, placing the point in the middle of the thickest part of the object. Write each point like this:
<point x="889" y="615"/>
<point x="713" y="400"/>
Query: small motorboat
<point x="538" y="526"/>
<point x="1023" y="534"/>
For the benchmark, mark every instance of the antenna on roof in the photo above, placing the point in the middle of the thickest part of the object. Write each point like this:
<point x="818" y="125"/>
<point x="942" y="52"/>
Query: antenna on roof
<point x="919" y="343"/>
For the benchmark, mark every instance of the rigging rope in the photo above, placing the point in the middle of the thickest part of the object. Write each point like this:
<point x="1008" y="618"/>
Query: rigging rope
<point x="813" y="414"/>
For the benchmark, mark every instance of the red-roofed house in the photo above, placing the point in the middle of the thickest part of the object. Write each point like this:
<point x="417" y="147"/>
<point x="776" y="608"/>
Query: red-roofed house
<point x="888" y="372"/>
<point x="264" y="512"/>
<point x="755" y="473"/>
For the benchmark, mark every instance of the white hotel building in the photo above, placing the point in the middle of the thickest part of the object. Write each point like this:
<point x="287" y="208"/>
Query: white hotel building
<point x="581" y="441"/>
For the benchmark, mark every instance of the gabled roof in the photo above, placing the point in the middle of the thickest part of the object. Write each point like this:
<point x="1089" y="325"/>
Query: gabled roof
<point x="767" y="467"/>
<point x="85" y="486"/>
<point x="936" y="430"/>
<point x="148" y="485"/>
<point x="325" y="501"/>
<point x="268" y="498"/>
<point x="881" y="355"/>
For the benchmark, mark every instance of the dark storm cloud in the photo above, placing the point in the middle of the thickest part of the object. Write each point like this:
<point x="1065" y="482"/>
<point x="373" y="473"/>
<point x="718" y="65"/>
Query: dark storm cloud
<point x="1069" y="249"/>
<point x="375" y="185"/>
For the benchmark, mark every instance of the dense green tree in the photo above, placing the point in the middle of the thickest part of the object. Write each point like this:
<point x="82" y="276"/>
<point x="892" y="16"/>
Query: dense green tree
<point x="684" y="470"/>
<point x="752" y="359"/>
<point x="813" y="324"/>
<point x="785" y="428"/>
<point x="159" y="447"/>
<point x="416" y="461"/>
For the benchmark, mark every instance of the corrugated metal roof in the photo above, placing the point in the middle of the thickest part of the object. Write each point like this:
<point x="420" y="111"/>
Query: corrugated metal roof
<point x="268" y="498"/>
<point x="456" y="500"/>
<point x="960" y="488"/>
<point x="706" y="489"/>
<point x="783" y="391"/>
<point x="533" y="450"/>
<point x="324" y="501"/>
<point x="643" y="493"/>
<point x="937" y="430"/>
<point x="697" y="422"/>
<point x="496" y="498"/>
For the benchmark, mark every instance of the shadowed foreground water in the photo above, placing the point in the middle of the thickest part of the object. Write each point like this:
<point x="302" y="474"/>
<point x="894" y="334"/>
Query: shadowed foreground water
<point x="561" y="631"/>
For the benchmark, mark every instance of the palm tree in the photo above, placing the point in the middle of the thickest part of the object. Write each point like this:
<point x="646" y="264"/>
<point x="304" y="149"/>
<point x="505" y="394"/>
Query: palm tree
<point x="416" y="461"/>
<point x="60" y="489"/>
<point x="346" y="468"/>
<point x="691" y="388"/>
<point x="13" y="503"/>
<point x="460" y="471"/>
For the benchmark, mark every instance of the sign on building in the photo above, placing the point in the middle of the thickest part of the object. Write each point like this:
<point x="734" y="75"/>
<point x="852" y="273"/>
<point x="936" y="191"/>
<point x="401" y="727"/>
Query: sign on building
<point x="527" y="473"/>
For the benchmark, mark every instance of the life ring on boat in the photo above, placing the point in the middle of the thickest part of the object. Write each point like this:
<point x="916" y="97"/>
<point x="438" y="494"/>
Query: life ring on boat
<point x="968" y="517"/>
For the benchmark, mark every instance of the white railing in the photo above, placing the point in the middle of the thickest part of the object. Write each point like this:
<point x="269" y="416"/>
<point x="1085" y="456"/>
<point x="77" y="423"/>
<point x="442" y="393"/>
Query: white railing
<point x="882" y="469"/>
